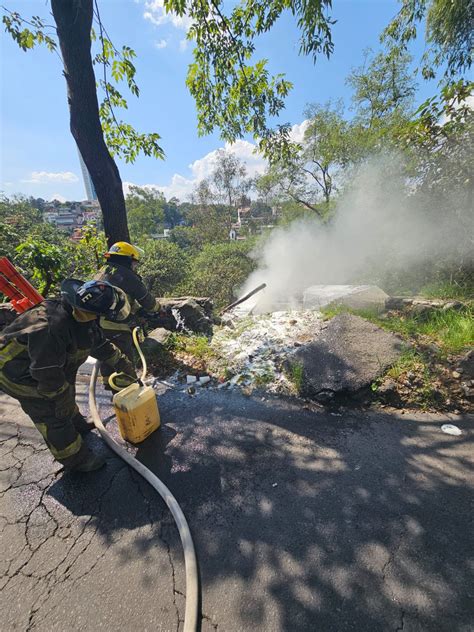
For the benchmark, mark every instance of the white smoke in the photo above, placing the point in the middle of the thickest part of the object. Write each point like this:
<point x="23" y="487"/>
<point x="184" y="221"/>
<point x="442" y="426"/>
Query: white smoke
<point x="378" y="230"/>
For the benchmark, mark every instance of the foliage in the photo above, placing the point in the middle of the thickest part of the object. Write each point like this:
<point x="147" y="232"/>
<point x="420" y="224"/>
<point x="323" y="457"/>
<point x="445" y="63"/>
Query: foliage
<point x="87" y="255"/>
<point x="439" y="145"/>
<point x="26" y="38"/>
<point x="173" y="213"/>
<point x="295" y="373"/>
<point x="229" y="178"/>
<point x="232" y="93"/>
<point x="290" y="212"/>
<point x="145" y="212"/>
<point x="163" y="266"/>
<point x="332" y="144"/>
<point x="408" y="360"/>
<point x="218" y="271"/>
<point x="212" y="221"/>
<point x="440" y="139"/>
<point x="17" y="217"/>
<point x="44" y="253"/>
<point x="446" y="290"/>
<point x="196" y="346"/>
<point x="187" y="238"/>
<point x="116" y="67"/>
<point x="414" y="362"/>
<point x="382" y="86"/>
<point x="451" y="329"/>
<point x="310" y="175"/>
<point x="45" y="260"/>
<point x="448" y="33"/>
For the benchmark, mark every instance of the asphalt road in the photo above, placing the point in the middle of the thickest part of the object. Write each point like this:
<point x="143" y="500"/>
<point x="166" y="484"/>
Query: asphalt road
<point x="302" y="520"/>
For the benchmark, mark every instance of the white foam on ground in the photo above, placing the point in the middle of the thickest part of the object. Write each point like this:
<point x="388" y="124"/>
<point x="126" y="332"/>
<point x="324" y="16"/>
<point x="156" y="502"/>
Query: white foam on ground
<point x="255" y="347"/>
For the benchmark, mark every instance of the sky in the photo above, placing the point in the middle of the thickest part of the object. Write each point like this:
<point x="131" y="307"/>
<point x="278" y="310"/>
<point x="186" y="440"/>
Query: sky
<point x="39" y="156"/>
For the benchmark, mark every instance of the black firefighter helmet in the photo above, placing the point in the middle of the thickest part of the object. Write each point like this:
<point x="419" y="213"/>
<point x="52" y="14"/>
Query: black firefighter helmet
<point x="98" y="297"/>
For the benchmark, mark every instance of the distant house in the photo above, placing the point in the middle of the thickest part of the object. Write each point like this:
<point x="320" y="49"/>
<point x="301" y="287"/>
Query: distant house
<point x="166" y="234"/>
<point x="71" y="216"/>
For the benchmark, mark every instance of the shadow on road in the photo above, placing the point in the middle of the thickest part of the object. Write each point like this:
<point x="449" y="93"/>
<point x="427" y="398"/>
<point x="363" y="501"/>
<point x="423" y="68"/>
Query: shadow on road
<point x="303" y="520"/>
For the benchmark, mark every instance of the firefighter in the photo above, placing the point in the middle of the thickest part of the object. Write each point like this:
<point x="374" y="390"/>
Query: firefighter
<point x="121" y="271"/>
<point x="40" y="353"/>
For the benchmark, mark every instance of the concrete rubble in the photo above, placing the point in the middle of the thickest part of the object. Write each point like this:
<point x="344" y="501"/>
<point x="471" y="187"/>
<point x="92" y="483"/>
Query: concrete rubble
<point x="348" y="356"/>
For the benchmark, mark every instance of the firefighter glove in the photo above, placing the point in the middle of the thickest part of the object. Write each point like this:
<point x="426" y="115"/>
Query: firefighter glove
<point x="125" y="366"/>
<point x="122" y="380"/>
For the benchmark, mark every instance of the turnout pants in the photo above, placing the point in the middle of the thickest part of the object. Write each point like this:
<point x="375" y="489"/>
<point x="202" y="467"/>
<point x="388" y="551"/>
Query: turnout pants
<point x="61" y="436"/>
<point x="123" y="340"/>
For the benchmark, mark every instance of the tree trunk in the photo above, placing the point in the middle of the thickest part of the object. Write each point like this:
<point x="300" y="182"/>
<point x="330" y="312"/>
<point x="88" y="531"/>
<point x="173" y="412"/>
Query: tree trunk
<point x="74" y="20"/>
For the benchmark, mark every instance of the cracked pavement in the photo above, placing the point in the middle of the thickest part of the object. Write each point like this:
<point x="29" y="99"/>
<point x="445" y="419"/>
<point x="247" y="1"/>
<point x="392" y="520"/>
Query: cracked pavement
<point x="302" y="520"/>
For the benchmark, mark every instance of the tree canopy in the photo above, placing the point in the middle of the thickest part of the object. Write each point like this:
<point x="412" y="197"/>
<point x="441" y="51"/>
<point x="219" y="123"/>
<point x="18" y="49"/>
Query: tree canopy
<point x="234" y="92"/>
<point x="448" y="33"/>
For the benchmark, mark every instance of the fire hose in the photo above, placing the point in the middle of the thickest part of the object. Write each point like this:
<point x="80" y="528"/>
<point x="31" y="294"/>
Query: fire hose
<point x="23" y="296"/>
<point x="190" y="562"/>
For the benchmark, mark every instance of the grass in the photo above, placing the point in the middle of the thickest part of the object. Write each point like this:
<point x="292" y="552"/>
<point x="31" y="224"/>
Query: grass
<point x="409" y="360"/>
<point x="264" y="378"/>
<point x="330" y="311"/>
<point x="412" y="361"/>
<point x="452" y="330"/>
<point x="295" y="375"/>
<point x="456" y="291"/>
<point x="196" y="346"/>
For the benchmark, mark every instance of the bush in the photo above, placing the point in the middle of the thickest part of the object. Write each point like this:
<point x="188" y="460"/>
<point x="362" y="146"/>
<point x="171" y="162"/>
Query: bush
<point x="219" y="270"/>
<point x="164" y="266"/>
<point x="45" y="261"/>
<point x="87" y="255"/>
<point x="186" y="237"/>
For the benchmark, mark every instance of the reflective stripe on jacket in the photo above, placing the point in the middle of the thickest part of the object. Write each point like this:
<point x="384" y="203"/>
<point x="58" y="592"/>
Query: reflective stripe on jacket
<point x="42" y="349"/>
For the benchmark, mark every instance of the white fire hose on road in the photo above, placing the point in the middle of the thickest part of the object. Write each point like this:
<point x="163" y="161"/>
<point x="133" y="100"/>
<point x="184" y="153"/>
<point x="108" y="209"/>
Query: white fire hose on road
<point x="190" y="563"/>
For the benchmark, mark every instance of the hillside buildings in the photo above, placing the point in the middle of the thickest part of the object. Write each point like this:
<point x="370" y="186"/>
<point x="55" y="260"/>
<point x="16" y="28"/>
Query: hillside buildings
<point x="71" y="216"/>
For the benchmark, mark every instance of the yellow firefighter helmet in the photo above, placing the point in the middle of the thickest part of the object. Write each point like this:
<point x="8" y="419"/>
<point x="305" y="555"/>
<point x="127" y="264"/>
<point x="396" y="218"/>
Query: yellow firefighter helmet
<point x="124" y="249"/>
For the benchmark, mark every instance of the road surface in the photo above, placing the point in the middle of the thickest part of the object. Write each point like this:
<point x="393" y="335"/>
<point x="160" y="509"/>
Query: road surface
<point x="303" y="521"/>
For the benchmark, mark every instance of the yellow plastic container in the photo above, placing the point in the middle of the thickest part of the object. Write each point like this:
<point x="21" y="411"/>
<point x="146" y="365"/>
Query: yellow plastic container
<point x="137" y="412"/>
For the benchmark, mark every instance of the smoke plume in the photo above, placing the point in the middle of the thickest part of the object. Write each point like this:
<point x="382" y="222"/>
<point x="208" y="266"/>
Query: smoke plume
<point x="380" y="233"/>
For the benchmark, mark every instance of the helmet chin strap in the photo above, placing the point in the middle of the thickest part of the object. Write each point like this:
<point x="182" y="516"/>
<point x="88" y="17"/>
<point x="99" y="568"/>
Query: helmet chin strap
<point x="82" y="316"/>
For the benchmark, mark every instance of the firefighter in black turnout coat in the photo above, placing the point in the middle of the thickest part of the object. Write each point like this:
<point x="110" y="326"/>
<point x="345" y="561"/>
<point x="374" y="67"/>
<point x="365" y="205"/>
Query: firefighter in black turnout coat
<point x="40" y="354"/>
<point x="120" y="271"/>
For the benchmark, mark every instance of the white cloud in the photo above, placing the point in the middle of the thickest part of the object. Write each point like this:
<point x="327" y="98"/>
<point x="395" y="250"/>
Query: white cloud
<point x="43" y="177"/>
<point x="157" y="15"/>
<point x="297" y="131"/>
<point x="183" y="45"/>
<point x="159" y="44"/>
<point x="469" y="102"/>
<point x="58" y="197"/>
<point x="243" y="149"/>
<point x="181" y="187"/>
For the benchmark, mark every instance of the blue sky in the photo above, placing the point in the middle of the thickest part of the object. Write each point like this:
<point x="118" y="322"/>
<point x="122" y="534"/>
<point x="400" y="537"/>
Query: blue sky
<point x="38" y="154"/>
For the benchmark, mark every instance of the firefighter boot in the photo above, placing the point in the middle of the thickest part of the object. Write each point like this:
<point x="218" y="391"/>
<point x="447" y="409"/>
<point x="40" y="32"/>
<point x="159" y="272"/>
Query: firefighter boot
<point x="91" y="463"/>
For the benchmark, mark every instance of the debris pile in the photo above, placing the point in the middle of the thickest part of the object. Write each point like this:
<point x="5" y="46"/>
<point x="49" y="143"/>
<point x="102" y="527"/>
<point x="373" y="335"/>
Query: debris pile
<point x="438" y="382"/>
<point x="251" y="351"/>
